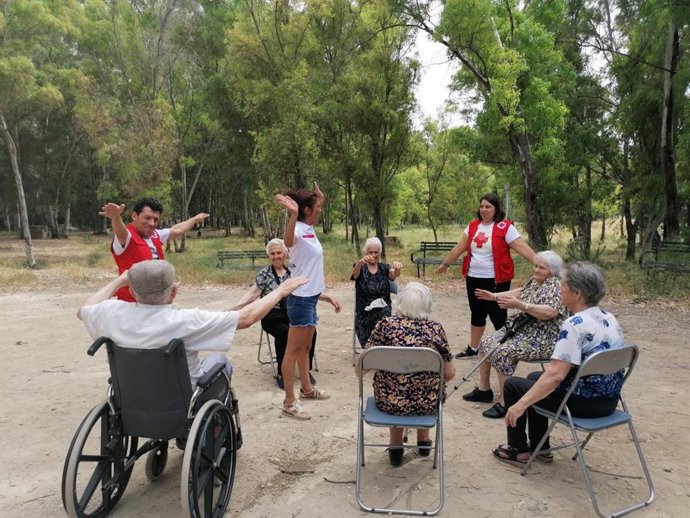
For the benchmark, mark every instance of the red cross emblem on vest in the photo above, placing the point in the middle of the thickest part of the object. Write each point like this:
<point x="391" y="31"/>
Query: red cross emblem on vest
<point x="480" y="239"/>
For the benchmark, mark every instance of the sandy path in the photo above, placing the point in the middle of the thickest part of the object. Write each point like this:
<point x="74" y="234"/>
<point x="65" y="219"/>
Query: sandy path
<point x="50" y="383"/>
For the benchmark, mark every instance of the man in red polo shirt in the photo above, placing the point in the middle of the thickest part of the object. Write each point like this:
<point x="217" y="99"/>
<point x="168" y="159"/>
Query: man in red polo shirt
<point x="141" y="240"/>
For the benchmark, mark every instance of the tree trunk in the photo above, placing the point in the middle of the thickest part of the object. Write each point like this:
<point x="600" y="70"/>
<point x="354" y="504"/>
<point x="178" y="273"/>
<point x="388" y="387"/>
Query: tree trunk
<point x="630" y="225"/>
<point x="23" y="211"/>
<point x="535" y="221"/>
<point x="353" y="215"/>
<point x="378" y="223"/>
<point x="668" y="162"/>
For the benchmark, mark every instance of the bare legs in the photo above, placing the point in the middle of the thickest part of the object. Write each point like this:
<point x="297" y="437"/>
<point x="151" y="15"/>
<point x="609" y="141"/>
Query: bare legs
<point x="297" y="352"/>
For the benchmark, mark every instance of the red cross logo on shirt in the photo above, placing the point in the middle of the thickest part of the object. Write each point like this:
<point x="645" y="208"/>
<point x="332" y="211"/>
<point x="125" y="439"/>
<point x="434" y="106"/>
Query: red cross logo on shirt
<point x="481" y="239"/>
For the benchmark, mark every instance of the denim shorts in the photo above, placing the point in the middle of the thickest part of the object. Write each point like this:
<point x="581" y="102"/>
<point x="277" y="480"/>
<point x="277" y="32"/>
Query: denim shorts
<point x="302" y="311"/>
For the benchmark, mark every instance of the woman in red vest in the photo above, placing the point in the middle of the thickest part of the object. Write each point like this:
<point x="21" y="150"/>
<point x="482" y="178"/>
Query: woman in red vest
<point x="487" y="265"/>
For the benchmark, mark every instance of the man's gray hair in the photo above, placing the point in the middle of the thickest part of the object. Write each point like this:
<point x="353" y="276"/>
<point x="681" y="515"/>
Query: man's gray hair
<point x="587" y="279"/>
<point x="553" y="261"/>
<point x="414" y="301"/>
<point x="276" y="242"/>
<point x="151" y="281"/>
<point x="372" y="241"/>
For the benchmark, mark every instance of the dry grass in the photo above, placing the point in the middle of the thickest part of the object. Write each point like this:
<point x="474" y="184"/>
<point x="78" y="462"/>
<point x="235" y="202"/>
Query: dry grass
<point x="84" y="260"/>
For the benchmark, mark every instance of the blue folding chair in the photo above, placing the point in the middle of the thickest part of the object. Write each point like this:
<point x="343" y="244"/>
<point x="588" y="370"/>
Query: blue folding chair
<point x="400" y="360"/>
<point x="602" y="363"/>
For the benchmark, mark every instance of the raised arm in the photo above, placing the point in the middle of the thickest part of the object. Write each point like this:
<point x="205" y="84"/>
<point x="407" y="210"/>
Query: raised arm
<point x="185" y="226"/>
<point x="293" y="209"/>
<point x="113" y="212"/>
<point x="394" y="272"/>
<point x="249" y="296"/>
<point x="459" y="249"/>
<point x="105" y="292"/>
<point x="258" y="309"/>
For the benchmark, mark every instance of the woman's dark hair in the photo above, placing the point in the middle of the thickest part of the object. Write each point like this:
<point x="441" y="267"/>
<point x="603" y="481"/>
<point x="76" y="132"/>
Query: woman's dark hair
<point x="494" y="200"/>
<point x="304" y="199"/>
<point x="151" y="203"/>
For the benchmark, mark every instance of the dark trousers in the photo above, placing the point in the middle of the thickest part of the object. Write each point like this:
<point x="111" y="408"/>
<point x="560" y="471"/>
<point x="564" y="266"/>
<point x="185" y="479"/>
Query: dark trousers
<point x="536" y="424"/>
<point x="480" y="309"/>
<point x="277" y="325"/>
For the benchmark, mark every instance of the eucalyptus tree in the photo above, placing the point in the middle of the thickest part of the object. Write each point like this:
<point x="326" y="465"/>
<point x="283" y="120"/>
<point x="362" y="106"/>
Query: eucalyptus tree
<point x="36" y="36"/>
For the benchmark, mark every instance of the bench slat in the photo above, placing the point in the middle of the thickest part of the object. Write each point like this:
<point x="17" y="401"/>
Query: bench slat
<point x="231" y="255"/>
<point x="421" y="259"/>
<point x="666" y="256"/>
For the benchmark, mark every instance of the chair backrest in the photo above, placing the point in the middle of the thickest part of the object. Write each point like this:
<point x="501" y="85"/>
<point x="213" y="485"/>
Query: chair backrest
<point x="152" y="389"/>
<point x="393" y="286"/>
<point x="402" y="360"/>
<point x="610" y="361"/>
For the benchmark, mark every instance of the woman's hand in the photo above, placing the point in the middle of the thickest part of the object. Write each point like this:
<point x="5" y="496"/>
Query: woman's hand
<point x="335" y="304"/>
<point x="443" y="268"/>
<point x="514" y="413"/>
<point x="509" y="302"/>
<point x="396" y="266"/>
<point x="485" y="295"/>
<point x="288" y="203"/>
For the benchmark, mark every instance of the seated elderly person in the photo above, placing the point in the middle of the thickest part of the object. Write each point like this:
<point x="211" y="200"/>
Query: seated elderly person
<point x="276" y="323"/>
<point x="153" y="321"/>
<point x="588" y="330"/>
<point x="410" y="394"/>
<point x="540" y="299"/>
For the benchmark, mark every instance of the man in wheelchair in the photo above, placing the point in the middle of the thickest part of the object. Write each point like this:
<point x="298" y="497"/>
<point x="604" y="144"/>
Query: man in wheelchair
<point x="160" y="392"/>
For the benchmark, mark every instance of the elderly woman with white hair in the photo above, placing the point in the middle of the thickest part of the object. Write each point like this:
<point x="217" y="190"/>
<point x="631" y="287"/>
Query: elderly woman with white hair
<point x="372" y="286"/>
<point x="276" y="322"/>
<point x="410" y="394"/>
<point x="540" y="299"/>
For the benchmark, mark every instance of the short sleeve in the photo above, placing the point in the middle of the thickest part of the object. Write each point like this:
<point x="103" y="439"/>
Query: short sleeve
<point x="512" y="234"/>
<point x="164" y="234"/>
<point x="568" y="348"/>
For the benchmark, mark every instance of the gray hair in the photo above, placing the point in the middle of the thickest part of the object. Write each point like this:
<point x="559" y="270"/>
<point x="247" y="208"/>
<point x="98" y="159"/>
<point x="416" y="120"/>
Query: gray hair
<point x="276" y="242"/>
<point x="414" y="301"/>
<point x="151" y="281"/>
<point x="553" y="261"/>
<point x="372" y="241"/>
<point x="587" y="279"/>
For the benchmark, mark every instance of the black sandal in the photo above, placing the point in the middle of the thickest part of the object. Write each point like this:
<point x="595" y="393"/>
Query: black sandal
<point x="509" y="455"/>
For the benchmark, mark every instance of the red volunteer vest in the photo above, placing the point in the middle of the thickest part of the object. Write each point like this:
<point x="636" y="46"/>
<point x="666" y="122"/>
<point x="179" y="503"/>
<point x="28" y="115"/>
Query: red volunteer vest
<point x="137" y="250"/>
<point x="504" y="269"/>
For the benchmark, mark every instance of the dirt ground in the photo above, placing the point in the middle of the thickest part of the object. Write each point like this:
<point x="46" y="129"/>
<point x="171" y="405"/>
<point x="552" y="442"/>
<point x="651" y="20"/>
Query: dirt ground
<point x="288" y="468"/>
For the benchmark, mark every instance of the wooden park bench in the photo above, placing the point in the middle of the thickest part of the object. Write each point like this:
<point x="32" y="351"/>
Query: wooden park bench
<point x="667" y="256"/>
<point x="431" y="252"/>
<point x="242" y="257"/>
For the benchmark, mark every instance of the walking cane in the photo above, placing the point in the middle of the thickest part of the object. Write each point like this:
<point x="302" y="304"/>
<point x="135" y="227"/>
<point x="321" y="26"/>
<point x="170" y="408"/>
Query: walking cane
<point x="510" y="329"/>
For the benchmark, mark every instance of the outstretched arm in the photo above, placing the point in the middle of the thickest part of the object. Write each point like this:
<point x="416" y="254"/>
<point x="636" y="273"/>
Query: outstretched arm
<point x="258" y="309"/>
<point x="249" y="296"/>
<point x="522" y="248"/>
<point x="105" y="292"/>
<point x="394" y="272"/>
<point x="113" y="212"/>
<point x="459" y="249"/>
<point x="185" y="226"/>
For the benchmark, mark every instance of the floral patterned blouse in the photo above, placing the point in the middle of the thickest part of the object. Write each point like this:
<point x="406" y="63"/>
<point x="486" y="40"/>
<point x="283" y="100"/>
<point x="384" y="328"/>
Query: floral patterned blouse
<point x="408" y="394"/>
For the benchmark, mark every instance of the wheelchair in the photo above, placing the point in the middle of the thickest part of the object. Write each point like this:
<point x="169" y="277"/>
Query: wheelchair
<point x="150" y="395"/>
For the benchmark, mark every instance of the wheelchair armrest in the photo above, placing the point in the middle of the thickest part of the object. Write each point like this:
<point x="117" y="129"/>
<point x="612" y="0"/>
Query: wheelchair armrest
<point x="172" y="345"/>
<point x="97" y="345"/>
<point x="207" y="379"/>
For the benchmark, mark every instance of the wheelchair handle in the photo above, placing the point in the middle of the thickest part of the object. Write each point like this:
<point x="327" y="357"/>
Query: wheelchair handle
<point x="172" y="345"/>
<point x="97" y="345"/>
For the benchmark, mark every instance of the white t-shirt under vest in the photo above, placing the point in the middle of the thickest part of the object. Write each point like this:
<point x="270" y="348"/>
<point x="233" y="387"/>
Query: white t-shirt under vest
<point x="482" y="262"/>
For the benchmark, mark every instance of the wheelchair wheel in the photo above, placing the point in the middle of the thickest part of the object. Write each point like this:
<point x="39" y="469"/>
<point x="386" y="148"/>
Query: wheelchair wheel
<point x="156" y="461"/>
<point x="208" y="466"/>
<point x="96" y="470"/>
